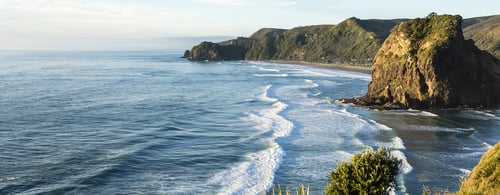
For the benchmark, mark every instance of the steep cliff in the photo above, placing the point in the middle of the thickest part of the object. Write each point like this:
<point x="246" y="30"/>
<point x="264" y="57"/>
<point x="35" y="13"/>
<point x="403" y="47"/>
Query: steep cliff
<point x="352" y="41"/>
<point x="484" y="178"/>
<point x="426" y="62"/>
<point x="229" y="50"/>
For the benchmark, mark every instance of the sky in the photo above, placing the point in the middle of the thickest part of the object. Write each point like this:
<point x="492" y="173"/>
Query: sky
<point x="178" y="24"/>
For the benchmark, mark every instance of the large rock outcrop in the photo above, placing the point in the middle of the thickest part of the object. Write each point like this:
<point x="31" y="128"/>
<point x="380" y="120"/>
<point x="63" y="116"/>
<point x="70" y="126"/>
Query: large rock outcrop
<point x="426" y="62"/>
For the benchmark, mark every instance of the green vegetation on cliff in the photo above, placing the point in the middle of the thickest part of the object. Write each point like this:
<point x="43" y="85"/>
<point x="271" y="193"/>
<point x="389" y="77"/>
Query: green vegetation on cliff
<point x="426" y="62"/>
<point x="485" y="31"/>
<point x="352" y="41"/>
<point x="229" y="50"/>
<point x="484" y="178"/>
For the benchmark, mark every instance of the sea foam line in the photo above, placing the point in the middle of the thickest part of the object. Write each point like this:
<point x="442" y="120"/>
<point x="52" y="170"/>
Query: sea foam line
<point x="272" y="75"/>
<point x="256" y="174"/>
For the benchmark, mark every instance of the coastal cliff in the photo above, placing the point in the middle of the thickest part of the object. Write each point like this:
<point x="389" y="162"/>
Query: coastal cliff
<point x="426" y="62"/>
<point x="353" y="41"/>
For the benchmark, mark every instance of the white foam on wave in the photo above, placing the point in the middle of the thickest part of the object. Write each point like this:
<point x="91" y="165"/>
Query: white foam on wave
<point x="300" y="96"/>
<point x="405" y="168"/>
<point x="313" y="84"/>
<point x="256" y="174"/>
<point x="465" y="172"/>
<point x="332" y="73"/>
<point x="396" y="143"/>
<point x="264" y="96"/>
<point x="344" y="112"/>
<point x="262" y="63"/>
<point x="379" y="125"/>
<point x="330" y="83"/>
<point x="480" y="115"/>
<point x="266" y="69"/>
<point x="252" y="176"/>
<point x="413" y="112"/>
<point x="281" y="126"/>
<point x="260" y="123"/>
<point x="439" y="129"/>
<point x="271" y="75"/>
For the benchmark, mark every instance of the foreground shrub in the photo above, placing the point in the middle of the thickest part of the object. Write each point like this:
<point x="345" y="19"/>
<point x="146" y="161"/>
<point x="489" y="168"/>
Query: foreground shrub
<point x="368" y="173"/>
<point x="301" y="190"/>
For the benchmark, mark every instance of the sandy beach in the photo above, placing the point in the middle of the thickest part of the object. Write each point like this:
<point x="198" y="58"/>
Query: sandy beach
<point x="354" y="68"/>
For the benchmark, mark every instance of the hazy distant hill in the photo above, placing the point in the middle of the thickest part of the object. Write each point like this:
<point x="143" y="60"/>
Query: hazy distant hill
<point x="353" y="41"/>
<point x="485" y="31"/>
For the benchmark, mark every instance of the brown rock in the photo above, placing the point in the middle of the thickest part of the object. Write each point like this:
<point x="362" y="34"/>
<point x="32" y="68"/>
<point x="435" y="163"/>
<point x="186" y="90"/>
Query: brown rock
<point x="426" y="62"/>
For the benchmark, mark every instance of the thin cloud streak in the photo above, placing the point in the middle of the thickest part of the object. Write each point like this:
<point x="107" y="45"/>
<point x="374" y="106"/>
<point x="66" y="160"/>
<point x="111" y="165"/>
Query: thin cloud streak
<point x="280" y="3"/>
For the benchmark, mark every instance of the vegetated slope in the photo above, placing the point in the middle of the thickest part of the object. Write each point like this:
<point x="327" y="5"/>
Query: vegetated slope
<point x="484" y="178"/>
<point x="485" y="31"/>
<point x="426" y="62"/>
<point x="352" y="41"/>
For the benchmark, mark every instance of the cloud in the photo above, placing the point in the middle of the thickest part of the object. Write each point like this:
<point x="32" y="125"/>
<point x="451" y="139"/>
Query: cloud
<point x="78" y="18"/>
<point x="277" y="3"/>
<point x="60" y="24"/>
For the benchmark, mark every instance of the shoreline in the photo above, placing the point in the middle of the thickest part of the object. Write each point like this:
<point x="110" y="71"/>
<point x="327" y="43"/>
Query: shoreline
<point x="346" y="67"/>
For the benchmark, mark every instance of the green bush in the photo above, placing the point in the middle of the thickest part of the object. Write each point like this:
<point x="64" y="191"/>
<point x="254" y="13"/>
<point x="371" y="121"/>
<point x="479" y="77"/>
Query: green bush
<point x="301" y="190"/>
<point x="368" y="173"/>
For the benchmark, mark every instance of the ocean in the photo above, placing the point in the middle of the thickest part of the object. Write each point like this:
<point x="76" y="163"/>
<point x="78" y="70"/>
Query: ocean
<point x="149" y="122"/>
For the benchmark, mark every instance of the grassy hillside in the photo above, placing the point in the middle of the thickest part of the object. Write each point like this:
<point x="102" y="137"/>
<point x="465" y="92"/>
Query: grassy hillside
<point x="353" y="41"/>
<point x="484" y="178"/>
<point x="485" y="31"/>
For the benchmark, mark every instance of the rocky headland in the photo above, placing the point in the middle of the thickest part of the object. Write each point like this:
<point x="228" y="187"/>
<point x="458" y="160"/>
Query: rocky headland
<point x="427" y="63"/>
<point x="353" y="41"/>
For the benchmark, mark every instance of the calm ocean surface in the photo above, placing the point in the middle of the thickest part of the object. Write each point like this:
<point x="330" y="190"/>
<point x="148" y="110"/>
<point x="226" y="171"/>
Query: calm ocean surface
<point x="151" y="123"/>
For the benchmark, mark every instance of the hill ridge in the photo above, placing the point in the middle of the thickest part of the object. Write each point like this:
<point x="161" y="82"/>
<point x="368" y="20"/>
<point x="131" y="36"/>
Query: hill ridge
<point x="353" y="41"/>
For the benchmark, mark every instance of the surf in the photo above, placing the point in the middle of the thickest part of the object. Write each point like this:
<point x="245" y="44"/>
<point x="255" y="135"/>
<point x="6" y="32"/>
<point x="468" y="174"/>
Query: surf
<point x="256" y="173"/>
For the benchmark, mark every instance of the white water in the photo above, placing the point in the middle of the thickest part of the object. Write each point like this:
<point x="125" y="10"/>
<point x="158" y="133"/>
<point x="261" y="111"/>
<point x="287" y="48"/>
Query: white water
<point x="151" y="123"/>
<point x="256" y="174"/>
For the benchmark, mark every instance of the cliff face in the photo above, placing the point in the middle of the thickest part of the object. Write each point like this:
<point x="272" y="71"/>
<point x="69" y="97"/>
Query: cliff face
<point x="485" y="31"/>
<point x="428" y="63"/>
<point x="484" y="177"/>
<point x="352" y="41"/>
<point x="232" y="50"/>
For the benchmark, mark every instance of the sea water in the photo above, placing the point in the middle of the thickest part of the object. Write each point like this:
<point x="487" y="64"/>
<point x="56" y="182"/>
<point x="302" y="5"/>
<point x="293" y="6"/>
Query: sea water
<point x="149" y="122"/>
